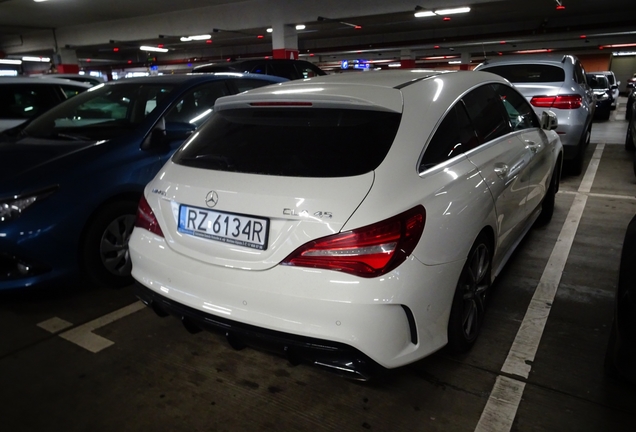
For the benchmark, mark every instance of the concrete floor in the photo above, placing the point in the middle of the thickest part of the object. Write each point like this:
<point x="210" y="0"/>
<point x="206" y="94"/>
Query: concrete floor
<point x="158" y="377"/>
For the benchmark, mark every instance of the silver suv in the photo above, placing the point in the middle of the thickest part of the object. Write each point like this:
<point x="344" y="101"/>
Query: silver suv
<point x="555" y="82"/>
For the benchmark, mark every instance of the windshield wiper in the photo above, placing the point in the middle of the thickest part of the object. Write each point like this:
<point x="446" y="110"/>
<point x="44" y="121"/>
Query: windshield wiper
<point x="68" y="137"/>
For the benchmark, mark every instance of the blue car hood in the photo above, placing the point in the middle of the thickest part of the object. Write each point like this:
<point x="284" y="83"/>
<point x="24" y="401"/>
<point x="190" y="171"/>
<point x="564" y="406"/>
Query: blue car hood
<point x="35" y="157"/>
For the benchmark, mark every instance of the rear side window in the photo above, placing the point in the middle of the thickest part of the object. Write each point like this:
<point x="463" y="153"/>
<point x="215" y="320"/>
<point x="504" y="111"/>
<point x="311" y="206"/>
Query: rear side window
<point x="295" y="142"/>
<point x="486" y="112"/>
<point x="529" y="73"/>
<point x="455" y="135"/>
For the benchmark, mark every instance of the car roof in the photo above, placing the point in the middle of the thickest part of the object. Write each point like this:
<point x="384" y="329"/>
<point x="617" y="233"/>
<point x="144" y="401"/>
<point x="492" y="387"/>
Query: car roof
<point x="246" y="61"/>
<point x="195" y="77"/>
<point x="41" y="80"/>
<point x="380" y="90"/>
<point x="555" y="59"/>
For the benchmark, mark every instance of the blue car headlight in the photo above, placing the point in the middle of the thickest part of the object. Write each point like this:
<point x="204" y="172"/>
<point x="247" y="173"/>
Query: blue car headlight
<point x="12" y="208"/>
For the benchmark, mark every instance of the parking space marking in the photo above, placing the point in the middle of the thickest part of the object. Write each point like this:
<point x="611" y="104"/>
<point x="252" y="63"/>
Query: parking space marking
<point x="502" y="405"/>
<point x="83" y="335"/>
<point x="590" y="172"/>
<point x="497" y="415"/>
<point x="600" y="195"/>
<point x="54" y="325"/>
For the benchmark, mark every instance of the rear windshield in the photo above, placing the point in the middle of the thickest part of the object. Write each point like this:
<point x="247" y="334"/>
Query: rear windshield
<point x="529" y="73"/>
<point x="598" y="82"/>
<point x="296" y="142"/>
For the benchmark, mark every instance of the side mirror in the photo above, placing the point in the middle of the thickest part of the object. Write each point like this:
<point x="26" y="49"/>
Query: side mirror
<point x="549" y="120"/>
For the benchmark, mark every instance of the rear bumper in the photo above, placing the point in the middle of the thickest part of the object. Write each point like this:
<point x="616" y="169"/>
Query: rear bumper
<point x="393" y="320"/>
<point x="335" y="357"/>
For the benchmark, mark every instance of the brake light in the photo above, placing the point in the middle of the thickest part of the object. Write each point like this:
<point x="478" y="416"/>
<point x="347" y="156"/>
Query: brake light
<point x="146" y="218"/>
<point x="368" y="251"/>
<point x="560" y="102"/>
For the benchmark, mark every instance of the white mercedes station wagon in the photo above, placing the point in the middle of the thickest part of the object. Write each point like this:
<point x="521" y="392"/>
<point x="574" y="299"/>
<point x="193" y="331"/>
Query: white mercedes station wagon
<point x="354" y="222"/>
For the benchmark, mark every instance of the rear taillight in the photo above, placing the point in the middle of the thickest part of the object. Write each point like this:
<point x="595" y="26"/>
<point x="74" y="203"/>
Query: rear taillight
<point x="146" y="218"/>
<point x="368" y="251"/>
<point x="560" y="102"/>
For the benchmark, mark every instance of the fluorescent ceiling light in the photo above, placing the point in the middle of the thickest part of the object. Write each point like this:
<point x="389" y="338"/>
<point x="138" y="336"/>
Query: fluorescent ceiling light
<point x="195" y="37"/>
<point x="10" y="61"/>
<point x="270" y="30"/>
<point x="155" y="49"/>
<point x="300" y="27"/>
<point x="36" y="59"/>
<point x="38" y="1"/>
<point x="455" y="62"/>
<point x="421" y="12"/>
<point x="452" y="11"/>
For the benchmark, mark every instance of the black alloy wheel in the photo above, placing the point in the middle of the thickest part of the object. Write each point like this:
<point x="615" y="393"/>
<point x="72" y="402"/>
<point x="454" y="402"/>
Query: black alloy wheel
<point x="469" y="302"/>
<point x="106" y="259"/>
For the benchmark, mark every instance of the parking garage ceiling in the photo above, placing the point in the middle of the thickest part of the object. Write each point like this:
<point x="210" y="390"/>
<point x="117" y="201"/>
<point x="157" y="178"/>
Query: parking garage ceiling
<point x="112" y="32"/>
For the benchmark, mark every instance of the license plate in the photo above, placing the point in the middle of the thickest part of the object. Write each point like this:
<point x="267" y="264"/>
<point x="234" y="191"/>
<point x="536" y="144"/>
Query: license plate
<point x="240" y="230"/>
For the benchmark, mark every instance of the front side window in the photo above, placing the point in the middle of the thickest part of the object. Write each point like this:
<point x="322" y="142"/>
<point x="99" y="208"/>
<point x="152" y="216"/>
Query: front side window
<point x="18" y="101"/>
<point x="296" y="142"/>
<point x="102" y="113"/>
<point x="520" y="113"/>
<point x="454" y="135"/>
<point x="486" y="112"/>
<point x="70" y="91"/>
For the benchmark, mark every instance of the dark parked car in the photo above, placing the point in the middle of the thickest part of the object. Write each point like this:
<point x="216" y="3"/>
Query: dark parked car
<point x="70" y="181"/>
<point x="613" y="85"/>
<point x="603" y="94"/>
<point x="24" y="98"/>
<point x="620" y="359"/>
<point x="631" y="98"/>
<point x="290" y="69"/>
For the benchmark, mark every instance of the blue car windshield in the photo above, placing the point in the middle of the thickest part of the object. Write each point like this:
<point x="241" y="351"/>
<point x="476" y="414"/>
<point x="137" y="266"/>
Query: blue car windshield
<point x="103" y="112"/>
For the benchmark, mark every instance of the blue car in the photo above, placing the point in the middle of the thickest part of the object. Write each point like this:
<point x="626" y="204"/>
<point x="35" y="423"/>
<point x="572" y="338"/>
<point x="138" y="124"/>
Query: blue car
<point x="71" y="179"/>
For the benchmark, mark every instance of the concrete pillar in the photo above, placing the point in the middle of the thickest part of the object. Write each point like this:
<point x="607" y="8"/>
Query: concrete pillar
<point x="284" y="41"/>
<point x="406" y="59"/>
<point x="465" y="61"/>
<point x="65" y="61"/>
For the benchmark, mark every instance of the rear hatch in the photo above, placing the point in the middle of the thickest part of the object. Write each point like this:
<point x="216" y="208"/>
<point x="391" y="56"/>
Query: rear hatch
<point x="533" y="79"/>
<point x="263" y="178"/>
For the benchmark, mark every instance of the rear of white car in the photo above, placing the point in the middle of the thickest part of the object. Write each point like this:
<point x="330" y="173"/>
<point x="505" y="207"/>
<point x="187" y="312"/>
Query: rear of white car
<point x="296" y="219"/>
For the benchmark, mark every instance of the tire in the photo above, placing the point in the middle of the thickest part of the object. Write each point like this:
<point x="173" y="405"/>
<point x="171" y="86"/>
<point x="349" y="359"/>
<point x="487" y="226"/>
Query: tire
<point x="547" y="206"/>
<point x="629" y="139"/>
<point x="104" y="251"/>
<point x="469" y="301"/>
<point x="576" y="165"/>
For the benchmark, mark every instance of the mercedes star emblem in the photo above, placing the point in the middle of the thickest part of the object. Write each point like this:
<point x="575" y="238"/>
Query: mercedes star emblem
<point x="211" y="199"/>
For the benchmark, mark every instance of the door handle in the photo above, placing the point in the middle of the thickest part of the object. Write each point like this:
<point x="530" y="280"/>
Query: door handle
<point x="501" y="169"/>
<point x="532" y="146"/>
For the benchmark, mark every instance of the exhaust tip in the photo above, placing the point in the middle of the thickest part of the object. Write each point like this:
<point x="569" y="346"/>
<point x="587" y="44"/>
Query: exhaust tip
<point x="345" y="370"/>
